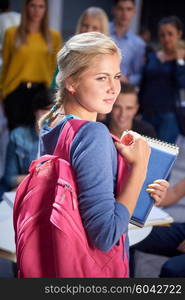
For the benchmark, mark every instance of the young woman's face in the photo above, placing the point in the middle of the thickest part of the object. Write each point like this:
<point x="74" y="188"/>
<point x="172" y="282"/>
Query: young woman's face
<point x="99" y="86"/>
<point x="36" y="10"/>
<point x="169" y="36"/>
<point x="89" y="24"/>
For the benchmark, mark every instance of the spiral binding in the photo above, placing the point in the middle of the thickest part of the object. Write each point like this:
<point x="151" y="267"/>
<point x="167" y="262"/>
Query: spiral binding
<point x="168" y="147"/>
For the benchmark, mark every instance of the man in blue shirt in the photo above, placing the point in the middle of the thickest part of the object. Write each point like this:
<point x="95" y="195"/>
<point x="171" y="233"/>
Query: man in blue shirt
<point x="131" y="45"/>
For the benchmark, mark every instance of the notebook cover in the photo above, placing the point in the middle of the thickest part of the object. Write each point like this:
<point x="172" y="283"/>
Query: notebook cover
<point x="162" y="158"/>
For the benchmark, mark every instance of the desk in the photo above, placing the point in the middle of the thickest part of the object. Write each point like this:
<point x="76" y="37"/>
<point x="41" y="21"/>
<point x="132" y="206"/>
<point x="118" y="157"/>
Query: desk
<point x="138" y="234"/>
<point x="7" y="243"/>
<point x="156" y="217"/>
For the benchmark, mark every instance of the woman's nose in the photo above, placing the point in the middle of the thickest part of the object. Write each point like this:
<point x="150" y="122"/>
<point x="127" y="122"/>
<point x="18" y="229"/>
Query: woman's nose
<point x="112" y="86"/>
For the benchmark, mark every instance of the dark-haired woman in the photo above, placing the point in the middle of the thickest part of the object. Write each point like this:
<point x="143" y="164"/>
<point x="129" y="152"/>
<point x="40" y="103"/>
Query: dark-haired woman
<point x="163" y="77"/>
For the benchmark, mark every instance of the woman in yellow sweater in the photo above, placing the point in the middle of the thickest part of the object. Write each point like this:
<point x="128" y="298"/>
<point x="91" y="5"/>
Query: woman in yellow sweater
<point x="29" y="61"/>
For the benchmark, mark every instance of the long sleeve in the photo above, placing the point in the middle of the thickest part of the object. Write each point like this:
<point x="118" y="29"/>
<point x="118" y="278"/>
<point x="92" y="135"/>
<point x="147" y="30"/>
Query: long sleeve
<point x="137" y="66"/>
<point x="6" y="56"/>
<point x="22" y="149"/>
<point x="94" y="160"/>
<point x="12" y="167"/>
<point x="180" y="76"/>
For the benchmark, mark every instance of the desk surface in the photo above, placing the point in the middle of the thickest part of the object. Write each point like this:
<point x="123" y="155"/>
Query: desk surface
<point x="136" y="234"/>
<point x="7" y="242"/>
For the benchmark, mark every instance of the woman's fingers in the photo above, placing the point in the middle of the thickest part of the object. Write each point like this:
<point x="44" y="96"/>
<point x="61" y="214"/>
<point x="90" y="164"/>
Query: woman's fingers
<point x="162" y="182"/>
<point x="157" y="190"/>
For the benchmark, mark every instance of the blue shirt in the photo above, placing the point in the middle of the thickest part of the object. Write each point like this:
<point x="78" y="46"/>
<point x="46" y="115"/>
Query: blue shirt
<point x="160" y="85"/>
<point x="133" y="51"/>
<point x="22" y="149"/>
<point x="94" y="160"/>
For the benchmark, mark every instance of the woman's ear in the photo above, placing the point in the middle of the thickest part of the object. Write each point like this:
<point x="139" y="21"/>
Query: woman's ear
<point x="69" y="85"/>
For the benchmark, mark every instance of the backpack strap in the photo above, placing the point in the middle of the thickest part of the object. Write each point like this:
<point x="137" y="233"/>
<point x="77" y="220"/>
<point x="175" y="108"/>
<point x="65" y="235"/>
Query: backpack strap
<point x="66" y="137"/>
<point x="123" y="171"/>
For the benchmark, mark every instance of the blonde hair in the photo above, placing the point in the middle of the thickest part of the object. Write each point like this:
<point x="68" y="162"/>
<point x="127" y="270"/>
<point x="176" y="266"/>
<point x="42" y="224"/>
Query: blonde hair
<point x="97" y="13"/>
<point x="23" y="30"/>
<point x="74" y="59"/>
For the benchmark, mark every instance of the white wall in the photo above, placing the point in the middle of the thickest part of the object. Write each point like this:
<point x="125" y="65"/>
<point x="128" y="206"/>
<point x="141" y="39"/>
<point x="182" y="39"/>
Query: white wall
<point x="136" y="21"/>
<point x="56" y="14"/>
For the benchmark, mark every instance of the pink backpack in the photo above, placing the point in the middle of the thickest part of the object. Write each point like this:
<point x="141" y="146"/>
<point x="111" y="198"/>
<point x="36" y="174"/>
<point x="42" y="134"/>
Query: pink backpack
<point x="49" y="235"/>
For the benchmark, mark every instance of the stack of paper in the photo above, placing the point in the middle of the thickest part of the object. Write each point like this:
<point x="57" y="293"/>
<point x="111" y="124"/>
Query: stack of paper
<point x="157" y="216"/>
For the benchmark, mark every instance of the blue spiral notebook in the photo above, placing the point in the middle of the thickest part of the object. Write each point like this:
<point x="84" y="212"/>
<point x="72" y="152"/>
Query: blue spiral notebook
<point x="162" y="158"/>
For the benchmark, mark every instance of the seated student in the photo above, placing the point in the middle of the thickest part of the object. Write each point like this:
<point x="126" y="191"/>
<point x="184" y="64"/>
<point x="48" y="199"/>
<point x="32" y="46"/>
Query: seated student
<point x="123" y="114"/>
<point x="4" y="137"/>
<point x="168" y="240"/>
<point x="23" y="145"/>
<point x="8" y="269"/>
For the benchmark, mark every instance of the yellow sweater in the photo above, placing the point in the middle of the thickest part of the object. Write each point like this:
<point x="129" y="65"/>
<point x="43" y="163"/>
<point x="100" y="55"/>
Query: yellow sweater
<point x="30" y="62"/>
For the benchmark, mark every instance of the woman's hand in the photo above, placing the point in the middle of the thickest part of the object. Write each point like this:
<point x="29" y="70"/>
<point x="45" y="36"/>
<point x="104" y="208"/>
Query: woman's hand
<point x="137" y="153"/>
<point x="180" y="53"/>
<point x="158" y="190"/>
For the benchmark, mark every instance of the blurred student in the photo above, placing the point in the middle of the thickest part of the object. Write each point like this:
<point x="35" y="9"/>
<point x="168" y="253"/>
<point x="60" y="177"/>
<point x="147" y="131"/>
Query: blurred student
<point x="7" y="18"/>
<point x="23" y="145"/>
<point x="123" y="115"/>
<point x="29" y="61"/>
<point x="131" y="45"/>
<point x="92" y="19"/>
<point x="168" y="240"/>
<point x="163" y="77"/>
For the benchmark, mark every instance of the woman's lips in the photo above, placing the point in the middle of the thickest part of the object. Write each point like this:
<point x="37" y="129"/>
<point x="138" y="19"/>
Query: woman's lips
<point x="109" y="101"/>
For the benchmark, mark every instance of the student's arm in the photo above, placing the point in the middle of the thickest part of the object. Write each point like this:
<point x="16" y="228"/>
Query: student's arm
<point x="174" y="194"/>
<point x="180" y="76"/>
<point x="94" y="160"/>
<point x="12" y="168"/>
<point x="138" y="156"/>
<point x="180" y="69"/>
<point x="6" y="56"/>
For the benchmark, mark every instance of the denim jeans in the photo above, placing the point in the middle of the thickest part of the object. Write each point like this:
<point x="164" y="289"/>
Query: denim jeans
<point x="164" y="241"/>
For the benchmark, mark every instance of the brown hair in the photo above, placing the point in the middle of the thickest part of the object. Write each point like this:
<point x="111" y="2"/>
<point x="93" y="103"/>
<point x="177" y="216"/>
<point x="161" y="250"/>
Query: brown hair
<point x="128" y="88"/>
<point x="117" y="1"/>
<point x="172" y="20"/>
<point x="23" y="30"/>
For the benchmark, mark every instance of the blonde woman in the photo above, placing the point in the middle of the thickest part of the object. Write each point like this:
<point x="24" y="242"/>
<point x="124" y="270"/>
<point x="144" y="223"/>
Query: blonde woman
<point x="89" y="83"/>
<point x="29" y="61"/>
<point x="93" y="19"/>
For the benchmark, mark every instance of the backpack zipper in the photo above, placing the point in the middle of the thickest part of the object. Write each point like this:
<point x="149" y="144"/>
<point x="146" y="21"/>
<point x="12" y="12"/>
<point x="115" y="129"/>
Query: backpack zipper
<point x="68" y="187"/>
